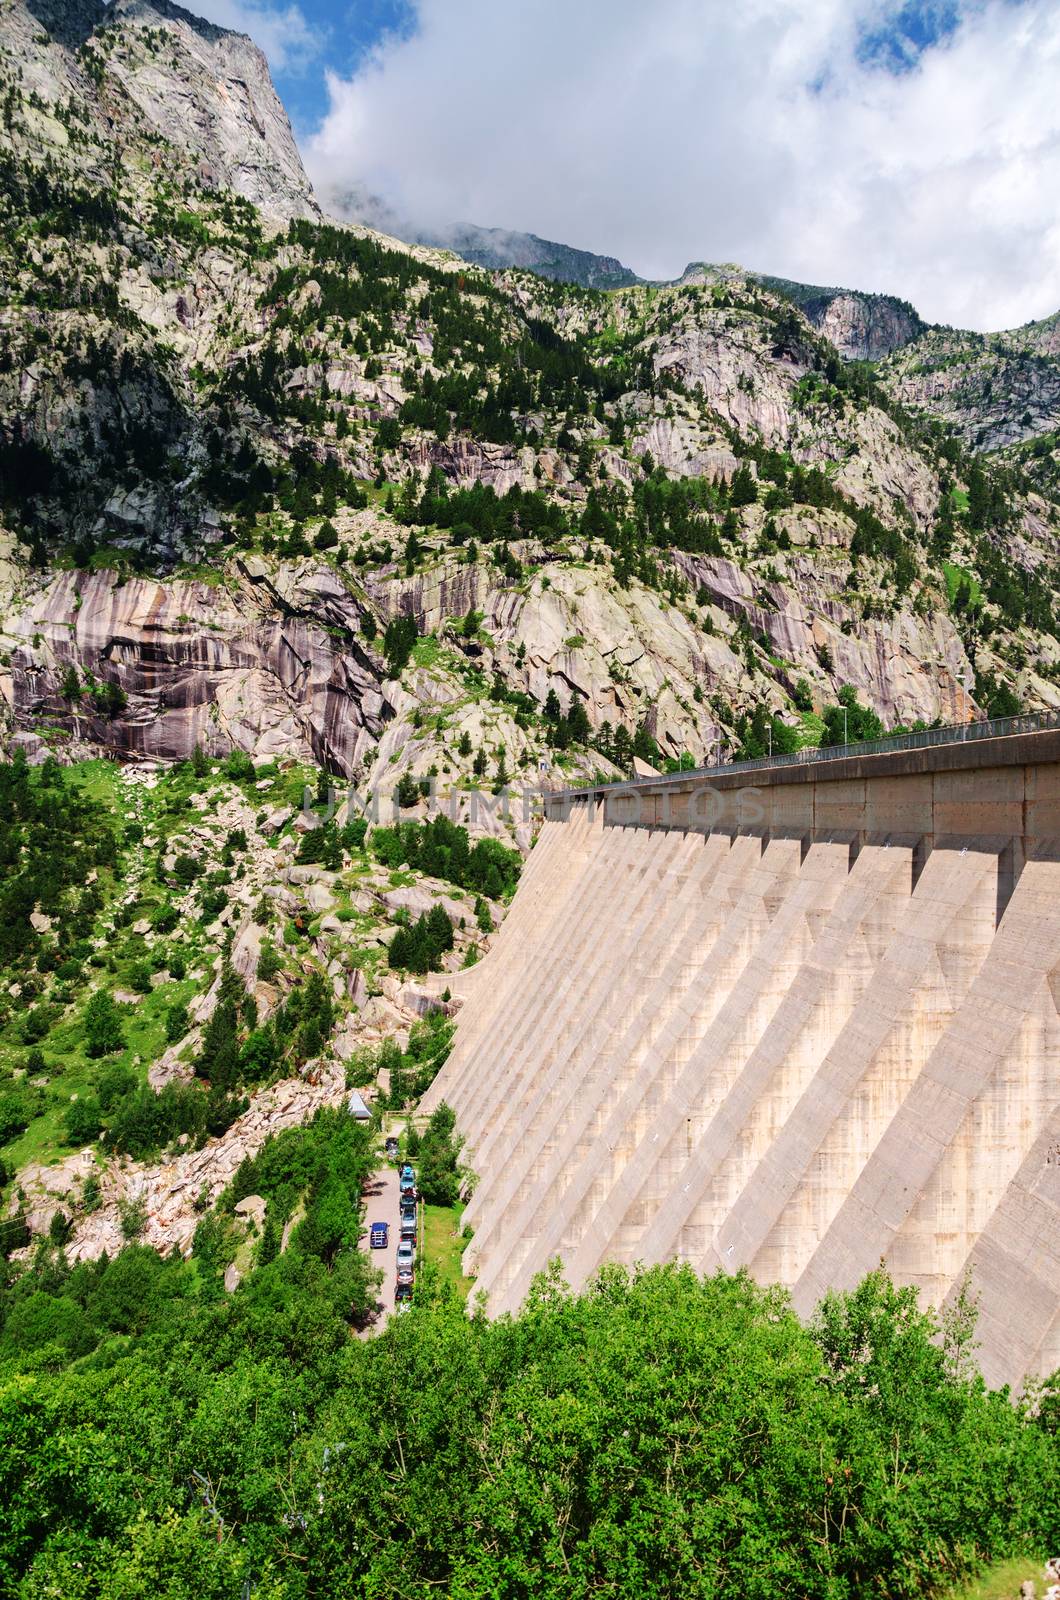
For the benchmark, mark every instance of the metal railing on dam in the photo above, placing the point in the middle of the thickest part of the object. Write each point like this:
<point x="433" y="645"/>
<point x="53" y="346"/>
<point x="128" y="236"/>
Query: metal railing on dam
<point x="811" y="755"/>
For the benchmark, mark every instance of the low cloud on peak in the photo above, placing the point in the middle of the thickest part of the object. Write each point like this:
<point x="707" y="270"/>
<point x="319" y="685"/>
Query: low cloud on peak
<point x="908" y="148"/>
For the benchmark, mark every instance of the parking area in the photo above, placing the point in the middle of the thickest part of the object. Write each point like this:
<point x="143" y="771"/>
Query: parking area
<point x="382" y="1205"/>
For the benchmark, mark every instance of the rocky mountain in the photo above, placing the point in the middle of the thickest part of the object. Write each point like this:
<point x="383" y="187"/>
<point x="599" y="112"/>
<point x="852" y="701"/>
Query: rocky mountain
<point x="242" y="444"/>
<point x="993" y="390"/>
<point x="284" y="501"/>
<point x="861" y="327"/>
<point x="152" y="74"/>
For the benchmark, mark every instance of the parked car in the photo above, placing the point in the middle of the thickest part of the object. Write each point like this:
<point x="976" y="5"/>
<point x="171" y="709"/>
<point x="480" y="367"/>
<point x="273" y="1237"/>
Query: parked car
<point x="408" y="1229"/>
<point x="408" y="1172"/>
<point x="403" y="1295"/>
<point x="406" y="1254"/>
<point x="391" y="1148"/>
<point x="404" y="1277"/>
<point x="379" y="1235"/>
<point x="407" y="1187"/>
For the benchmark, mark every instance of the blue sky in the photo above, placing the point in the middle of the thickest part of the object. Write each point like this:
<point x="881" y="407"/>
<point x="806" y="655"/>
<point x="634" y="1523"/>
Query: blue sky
<point x="906" y="146"/>
<point x="344" y="32"/>
<point x="896" y="42"/>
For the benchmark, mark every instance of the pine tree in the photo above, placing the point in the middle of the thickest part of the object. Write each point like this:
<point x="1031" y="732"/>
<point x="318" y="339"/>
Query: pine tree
<point x="269" y="1246"/>
<point x="744" y="489"/>
<point x="578" y="721"/>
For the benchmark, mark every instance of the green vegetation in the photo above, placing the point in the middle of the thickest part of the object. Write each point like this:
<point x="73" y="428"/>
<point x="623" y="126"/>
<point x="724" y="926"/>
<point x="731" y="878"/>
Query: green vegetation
<point x="850" y="722"/>
<point x="98" y="999"/>
<point x="1002" y="1581"/>
<point x="620" y="746"/>
<point x="412" y="1071"/>
<point x="962" y="588"/>
<point x="419" y="946"/>
<point x="764" y="733"/>
<point x="444" y="1243"/>
<point x="439" y="1173"/>
<point x="656" y="1435"/>
<point x="442" y="849"/>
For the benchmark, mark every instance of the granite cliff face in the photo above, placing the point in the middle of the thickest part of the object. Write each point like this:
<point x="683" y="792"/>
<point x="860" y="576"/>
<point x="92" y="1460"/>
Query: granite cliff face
<point x="266" y="664"/>
<point x="208" y="91"/>
<point x="146" y="73"/>
<point x="993" y="390"/>
<point x="862" y="327"/>
<point x="273" y="660"/>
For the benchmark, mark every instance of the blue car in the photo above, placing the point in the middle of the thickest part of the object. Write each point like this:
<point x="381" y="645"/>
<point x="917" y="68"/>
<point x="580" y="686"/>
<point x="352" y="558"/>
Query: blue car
<point x="379" y="1235"/>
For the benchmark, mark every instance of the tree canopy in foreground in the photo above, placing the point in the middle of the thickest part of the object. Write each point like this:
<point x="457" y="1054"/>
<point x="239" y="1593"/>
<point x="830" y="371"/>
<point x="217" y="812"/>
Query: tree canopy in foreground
<point x="657" y="1435"/>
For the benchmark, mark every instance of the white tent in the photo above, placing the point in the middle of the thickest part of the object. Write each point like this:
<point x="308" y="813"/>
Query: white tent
<point x="357" y="1108"/>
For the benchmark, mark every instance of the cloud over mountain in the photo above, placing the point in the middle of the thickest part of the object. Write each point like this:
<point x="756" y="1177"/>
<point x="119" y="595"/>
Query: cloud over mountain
<point x="913" y="149"/>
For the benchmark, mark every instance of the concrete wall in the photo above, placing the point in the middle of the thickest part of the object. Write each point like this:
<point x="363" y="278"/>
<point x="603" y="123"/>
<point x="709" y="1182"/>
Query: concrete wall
<point x="799" y="1042"/>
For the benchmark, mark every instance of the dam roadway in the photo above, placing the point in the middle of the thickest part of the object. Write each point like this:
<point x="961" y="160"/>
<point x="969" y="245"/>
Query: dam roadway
<point x="795" y="1017"/>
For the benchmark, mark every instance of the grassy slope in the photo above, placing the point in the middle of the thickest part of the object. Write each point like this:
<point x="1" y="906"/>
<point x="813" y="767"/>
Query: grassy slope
<point x="165" y="813"/>
<point x="443" y="1245"/>
<point x="1001" y="1581"/>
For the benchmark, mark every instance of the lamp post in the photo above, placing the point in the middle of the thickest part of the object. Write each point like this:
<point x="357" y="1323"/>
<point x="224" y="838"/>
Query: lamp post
<point x="846" y="736"/>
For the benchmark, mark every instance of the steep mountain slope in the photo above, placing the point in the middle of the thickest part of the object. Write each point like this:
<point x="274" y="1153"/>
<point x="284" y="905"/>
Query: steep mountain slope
<point x="862" y="327"/>
<point x="993" y="389"/>
<point x="666" y="514"/>
<point x="144" y="73"/>
<point x="277" y="487"/>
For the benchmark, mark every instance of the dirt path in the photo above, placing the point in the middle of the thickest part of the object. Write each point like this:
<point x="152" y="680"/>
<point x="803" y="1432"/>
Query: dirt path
<point x="381" y="1199"/>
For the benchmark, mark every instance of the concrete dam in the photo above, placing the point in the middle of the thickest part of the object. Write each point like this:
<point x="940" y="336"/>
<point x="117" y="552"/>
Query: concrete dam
<point x="799" y="1020"/>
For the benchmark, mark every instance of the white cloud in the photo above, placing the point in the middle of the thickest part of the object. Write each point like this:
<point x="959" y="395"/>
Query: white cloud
<point x="676" y="130"/>
<point x="281" y="31"/>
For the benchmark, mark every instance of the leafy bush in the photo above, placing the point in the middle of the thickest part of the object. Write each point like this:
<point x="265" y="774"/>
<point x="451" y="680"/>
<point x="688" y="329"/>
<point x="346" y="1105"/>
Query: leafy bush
<point x="439" y="1177"/>
<point x="628" y="1440"/>
<point x="84" y="1120"/>
<point x="849" y="721"/>
<point x="238" y="765"/>
<point x="103" y="1027"/>
<point x="17" y="1110"/>
<point x="414" y="1070"/>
